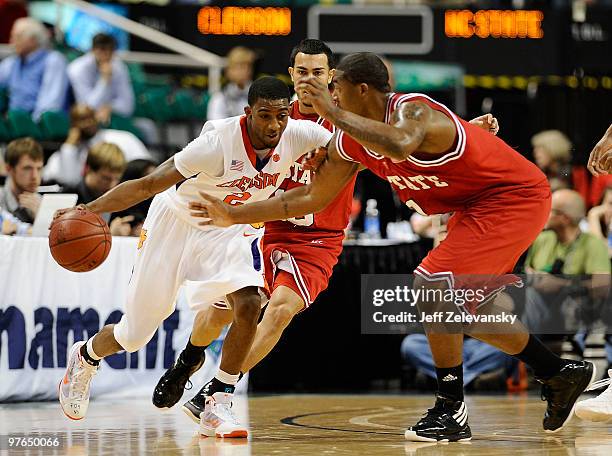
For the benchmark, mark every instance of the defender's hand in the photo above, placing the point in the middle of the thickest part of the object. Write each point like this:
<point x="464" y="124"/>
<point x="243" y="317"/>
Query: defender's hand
<point x="487" y="122"/>
<point x="218" y="212"/>
<point x="314" y="159"/>
<point x="600" y="159"/>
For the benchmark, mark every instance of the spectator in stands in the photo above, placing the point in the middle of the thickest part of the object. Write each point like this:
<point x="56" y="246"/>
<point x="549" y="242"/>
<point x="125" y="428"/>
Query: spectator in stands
<point x="239" y="73"/>
<point x="565" y="267"/>
<point x="101" y="80"/>
<point x="104" y="167"/>
<point x="552" y="154"/>
<point x="600" y="219"/>
<point x="35" y="76"/>
<point x="10" y="11"/>
<point x="66" y="165"/>
<point x="24" y="161"/>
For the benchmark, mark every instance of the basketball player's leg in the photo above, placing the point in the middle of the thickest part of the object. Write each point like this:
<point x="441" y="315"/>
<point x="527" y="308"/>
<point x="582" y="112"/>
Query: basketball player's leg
<point x="447" y="420"/>
<point x="284" y="304"/>
<point x="498" y="246"/>
<point x="207" y="327"/>
<point x="217" y="418"/>
<point x="150" y="299"/>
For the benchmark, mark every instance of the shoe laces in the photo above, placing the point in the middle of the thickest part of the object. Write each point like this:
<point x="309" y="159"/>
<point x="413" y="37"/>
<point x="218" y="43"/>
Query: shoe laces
<point x="225" y="412"/>
<point x="81" y="377"/>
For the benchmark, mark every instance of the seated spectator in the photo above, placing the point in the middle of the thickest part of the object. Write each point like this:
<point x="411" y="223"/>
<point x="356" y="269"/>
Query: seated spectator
<point x="233" y="98"/>
<point x="566" y="268"/>
<point x="35" y="76"/>
<point x="600" y="219"/>
<point x="66" y="165"/>
<point x="24" y="162"/>
<point x="552" y="154"/>
<point x="10" y="11"/>
<point x="104" y="167"/>
<point x="135" y="215"/>
<point x="101" y="80"/>
<point x="480" y="361"/>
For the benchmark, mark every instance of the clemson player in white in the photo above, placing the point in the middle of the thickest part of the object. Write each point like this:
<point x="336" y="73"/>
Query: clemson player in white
<point x="240" y="160"/>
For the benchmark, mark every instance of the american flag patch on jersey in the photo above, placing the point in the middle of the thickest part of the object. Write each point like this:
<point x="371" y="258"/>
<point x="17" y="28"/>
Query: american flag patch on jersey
<point x="237" y="165"/>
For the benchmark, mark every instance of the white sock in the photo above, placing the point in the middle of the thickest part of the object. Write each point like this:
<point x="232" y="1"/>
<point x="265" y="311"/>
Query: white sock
<point x="90" y="350"/>
<point x="228" y="379"/>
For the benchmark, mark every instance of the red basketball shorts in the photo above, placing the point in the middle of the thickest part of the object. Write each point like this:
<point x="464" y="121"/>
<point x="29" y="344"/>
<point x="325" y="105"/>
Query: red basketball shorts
<point x="302" y="261"/>
<point x="485" y="241"/>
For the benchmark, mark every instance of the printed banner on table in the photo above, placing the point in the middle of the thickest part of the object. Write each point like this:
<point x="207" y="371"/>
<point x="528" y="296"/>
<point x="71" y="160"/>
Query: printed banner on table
<point x="44" y="309"/>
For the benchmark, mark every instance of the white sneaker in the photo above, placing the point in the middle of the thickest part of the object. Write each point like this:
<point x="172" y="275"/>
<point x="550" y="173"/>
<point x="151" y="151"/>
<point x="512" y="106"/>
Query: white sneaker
<point x="219" y="420"/>
<point x="598" y="408"/>
<point x="74" y="387"/>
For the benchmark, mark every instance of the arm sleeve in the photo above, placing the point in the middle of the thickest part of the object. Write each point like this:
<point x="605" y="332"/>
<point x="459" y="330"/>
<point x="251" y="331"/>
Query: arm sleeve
<point x="202" y="155"/>
<point x="123" y="101"/>
<point x="347" y="147"/>
<point x="52" y="95"/>
<point x="310" y="136"/>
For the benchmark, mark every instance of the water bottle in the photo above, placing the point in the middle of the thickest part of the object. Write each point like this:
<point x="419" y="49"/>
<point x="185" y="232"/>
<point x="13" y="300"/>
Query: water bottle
<point x="372" y="220"/>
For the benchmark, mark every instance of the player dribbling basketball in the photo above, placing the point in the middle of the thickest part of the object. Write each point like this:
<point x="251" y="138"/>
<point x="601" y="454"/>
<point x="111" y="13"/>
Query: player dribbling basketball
<point x="241" y="160"/>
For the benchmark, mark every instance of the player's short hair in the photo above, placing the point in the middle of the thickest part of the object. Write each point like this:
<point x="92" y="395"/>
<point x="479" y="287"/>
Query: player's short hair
<point x="103" y="41"/>
<point x="21" y="147"/>
<point x="313" y="47"/>
<point x="106" y="155"/>
<point x="268" y="88"/>
<point x="365" y="68"/>
<point x="556" y="143"/>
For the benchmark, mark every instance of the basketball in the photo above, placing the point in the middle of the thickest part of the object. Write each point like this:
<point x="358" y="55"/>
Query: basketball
<point x="79" y="240"/>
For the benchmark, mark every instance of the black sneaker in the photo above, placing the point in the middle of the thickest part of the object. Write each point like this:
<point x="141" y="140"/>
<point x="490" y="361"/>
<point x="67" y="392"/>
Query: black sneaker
<point x="195" y="405"/>
<point x="447" y="421"/>
<point x="170" y="387"/>
<point x="562" y="391"/>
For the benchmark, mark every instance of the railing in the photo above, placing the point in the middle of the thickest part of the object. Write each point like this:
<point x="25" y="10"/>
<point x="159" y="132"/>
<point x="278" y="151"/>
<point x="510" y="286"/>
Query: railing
<point x="187" y="55"/>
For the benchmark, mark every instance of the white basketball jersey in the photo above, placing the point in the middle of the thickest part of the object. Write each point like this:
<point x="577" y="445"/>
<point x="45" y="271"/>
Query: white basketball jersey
<point x="221" y="162"/>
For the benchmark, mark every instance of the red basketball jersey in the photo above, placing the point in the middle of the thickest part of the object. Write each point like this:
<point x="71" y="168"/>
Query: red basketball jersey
<point x="479" y="166"/>
<point x="333" y="218"/>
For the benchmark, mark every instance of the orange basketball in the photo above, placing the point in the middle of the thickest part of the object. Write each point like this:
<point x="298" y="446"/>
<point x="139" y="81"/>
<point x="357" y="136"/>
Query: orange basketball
<point x="79" y="240"/>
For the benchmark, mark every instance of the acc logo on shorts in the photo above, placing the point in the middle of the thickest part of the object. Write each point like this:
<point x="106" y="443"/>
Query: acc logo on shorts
<point x="143" y="238"/>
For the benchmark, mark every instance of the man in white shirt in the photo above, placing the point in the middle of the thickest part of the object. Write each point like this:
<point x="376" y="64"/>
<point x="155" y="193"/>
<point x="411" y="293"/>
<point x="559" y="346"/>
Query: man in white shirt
<point x="65" y="166"/>
<point x="240" y="160"/>
<point x="101" y="80"/>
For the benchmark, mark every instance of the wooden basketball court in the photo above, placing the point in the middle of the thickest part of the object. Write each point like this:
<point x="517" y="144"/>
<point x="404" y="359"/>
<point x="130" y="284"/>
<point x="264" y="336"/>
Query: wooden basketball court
<point x="304" y="425"/>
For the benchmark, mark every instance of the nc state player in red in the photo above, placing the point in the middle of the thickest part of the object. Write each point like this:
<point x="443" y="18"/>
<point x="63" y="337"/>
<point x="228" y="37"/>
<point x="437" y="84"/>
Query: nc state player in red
<point x="437" y="163"/>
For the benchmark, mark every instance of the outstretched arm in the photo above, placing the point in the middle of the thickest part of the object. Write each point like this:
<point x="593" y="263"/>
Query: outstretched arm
<point x="331" y="177"/>
<point x="415" y="126"/>
<point x="132" y="192"/>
